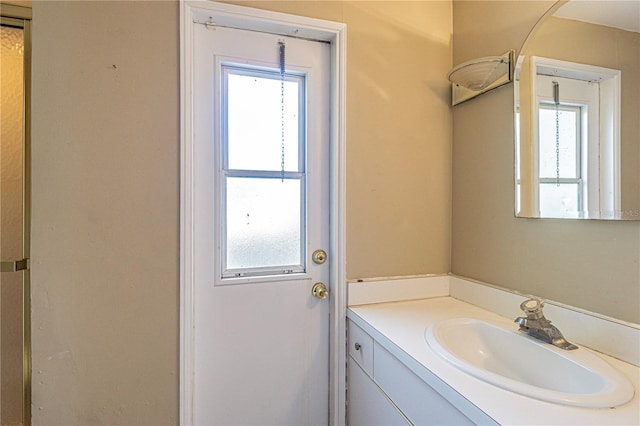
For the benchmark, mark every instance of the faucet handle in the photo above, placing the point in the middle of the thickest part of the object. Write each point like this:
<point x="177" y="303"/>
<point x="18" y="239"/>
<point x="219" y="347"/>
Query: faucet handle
<point x="532" y="307"/>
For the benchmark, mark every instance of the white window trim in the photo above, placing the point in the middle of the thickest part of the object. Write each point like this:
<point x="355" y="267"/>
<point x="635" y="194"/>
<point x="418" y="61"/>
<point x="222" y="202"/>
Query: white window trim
<point x="609" y="199"/>
<point x="192" y="13"/>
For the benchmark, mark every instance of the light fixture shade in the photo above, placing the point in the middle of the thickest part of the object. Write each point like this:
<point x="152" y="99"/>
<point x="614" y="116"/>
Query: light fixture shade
<point x="478" y="74"/>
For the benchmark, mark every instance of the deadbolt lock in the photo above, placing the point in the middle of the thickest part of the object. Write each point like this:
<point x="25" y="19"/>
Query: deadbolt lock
<point x="319" y="257"/>
<point x="320" y="291"/>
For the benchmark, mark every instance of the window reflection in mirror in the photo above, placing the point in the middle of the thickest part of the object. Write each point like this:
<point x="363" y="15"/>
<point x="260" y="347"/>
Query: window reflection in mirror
<point x="579" y="157"/>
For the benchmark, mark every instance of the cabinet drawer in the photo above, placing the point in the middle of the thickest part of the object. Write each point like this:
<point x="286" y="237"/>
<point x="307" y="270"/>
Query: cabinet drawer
<point x="360" y="347"/>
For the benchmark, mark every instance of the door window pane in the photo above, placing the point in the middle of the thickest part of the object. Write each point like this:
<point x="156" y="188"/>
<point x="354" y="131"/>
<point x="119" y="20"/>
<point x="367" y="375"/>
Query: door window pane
<point x="568" y="125"/>
<point x="254" y="120"/>
<point x="263" y="223"/>
<point x="559" y="200"/>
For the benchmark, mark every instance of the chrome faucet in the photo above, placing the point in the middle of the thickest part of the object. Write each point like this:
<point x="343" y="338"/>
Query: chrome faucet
<point x="536" y="325"/>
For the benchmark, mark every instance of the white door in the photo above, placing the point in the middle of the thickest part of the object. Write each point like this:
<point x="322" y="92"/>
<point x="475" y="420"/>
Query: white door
<point x="261" y="196"/>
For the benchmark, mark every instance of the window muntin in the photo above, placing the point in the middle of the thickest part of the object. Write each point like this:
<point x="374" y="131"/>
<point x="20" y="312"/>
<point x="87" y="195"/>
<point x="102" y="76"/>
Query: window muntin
<point x="263" y="215"/>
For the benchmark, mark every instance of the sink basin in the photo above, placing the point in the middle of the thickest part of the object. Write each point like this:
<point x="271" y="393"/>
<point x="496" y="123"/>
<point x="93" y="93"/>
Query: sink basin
<point x="516" y="362"/>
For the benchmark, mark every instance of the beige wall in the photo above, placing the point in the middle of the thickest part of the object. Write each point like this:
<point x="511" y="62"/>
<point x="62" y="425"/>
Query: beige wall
<point x="591" y="264"/>
<point x="105" y="187"/>
<point x="398" y="138"/>
<point x="105" y="212"/>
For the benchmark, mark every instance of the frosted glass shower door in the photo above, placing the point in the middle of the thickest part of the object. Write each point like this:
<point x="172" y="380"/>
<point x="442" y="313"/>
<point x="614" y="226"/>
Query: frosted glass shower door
<point x="14" y="238"/>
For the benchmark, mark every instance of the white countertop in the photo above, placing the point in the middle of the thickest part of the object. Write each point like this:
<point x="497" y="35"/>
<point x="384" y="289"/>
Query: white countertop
<point x="400" y="326"/>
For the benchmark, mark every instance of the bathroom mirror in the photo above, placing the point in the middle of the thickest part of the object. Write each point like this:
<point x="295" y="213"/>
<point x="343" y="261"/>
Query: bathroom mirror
<point x="577" y="113"/>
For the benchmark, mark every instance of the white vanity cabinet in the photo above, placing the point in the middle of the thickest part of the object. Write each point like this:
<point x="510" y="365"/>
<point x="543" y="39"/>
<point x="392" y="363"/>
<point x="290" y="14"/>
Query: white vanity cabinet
<point x="381" y="390"/>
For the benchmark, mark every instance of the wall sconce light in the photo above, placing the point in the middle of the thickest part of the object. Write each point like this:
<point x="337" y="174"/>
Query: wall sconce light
<point x="472" y="78"/>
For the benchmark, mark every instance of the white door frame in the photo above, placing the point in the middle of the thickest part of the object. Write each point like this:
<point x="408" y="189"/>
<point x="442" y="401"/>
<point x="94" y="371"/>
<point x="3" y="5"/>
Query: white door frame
<point x="198" y="12"/>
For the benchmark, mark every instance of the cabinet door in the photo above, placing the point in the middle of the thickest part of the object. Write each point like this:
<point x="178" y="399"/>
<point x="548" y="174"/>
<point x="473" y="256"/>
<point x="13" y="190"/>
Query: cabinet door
<point x="417" y="400"/>
<point x="367" y="404"/>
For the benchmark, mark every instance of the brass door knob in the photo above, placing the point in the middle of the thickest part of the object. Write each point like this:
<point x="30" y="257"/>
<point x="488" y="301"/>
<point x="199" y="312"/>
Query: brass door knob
<point x="320" y="291"/>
